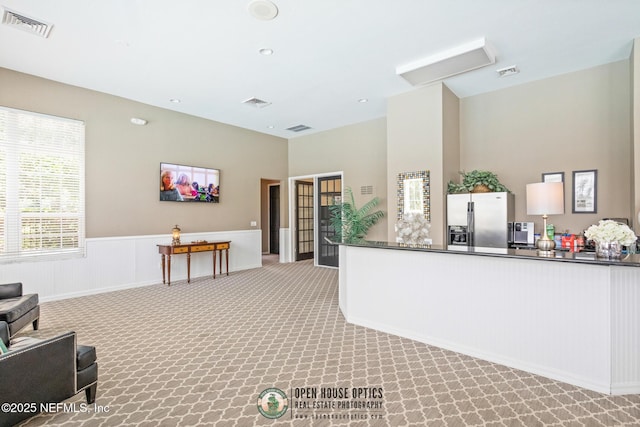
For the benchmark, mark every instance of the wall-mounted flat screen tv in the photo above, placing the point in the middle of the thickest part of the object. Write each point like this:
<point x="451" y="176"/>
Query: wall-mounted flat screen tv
<point x="180" y="183"/>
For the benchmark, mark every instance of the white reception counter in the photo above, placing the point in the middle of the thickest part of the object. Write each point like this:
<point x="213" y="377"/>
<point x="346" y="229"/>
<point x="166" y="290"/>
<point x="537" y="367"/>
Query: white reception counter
<point x="571" y="317"/>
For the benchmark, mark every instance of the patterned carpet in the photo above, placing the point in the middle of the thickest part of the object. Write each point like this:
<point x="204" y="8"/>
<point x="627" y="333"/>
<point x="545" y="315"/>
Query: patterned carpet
<point x="204" y="353"/>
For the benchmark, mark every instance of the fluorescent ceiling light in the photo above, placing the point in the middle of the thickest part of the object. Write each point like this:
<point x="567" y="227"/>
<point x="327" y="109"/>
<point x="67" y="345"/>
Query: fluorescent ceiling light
<point x="454" y="61"/>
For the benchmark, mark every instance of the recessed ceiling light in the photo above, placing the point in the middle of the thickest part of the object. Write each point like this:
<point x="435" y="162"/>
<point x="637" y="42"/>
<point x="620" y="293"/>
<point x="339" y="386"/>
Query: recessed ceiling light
<point x="138" y="121"/>
<point x="270" y="127"/>
<point x="266" y="51"/>
<point x="255" y="102"/>
<point x="363" y="100"/>
<point x="175" y="100"/>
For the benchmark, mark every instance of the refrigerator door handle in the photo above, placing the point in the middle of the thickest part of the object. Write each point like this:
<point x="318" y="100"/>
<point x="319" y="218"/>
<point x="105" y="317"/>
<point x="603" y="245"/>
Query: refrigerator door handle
<point x="470" y="224"/>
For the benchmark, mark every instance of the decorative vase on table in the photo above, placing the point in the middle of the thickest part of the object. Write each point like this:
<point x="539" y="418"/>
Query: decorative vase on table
<point x="608" y="250"/>
<point x="609" y="237"/>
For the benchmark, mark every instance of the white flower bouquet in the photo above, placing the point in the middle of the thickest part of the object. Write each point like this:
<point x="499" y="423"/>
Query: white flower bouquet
<point x="608" y="231"/>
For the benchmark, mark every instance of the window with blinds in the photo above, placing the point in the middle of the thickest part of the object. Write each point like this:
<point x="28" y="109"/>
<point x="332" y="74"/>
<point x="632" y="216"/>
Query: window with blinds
<point x="41" y="186"/>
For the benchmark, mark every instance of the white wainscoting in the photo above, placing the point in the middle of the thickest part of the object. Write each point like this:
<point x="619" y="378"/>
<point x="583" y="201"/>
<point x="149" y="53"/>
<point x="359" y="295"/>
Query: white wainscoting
<point x="572" y="322"/>
<point x="113" y="263"/>
<point x="285" y="245"/>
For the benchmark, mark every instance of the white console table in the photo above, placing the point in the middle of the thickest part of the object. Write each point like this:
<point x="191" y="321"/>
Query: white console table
<point x="572" y="318"/>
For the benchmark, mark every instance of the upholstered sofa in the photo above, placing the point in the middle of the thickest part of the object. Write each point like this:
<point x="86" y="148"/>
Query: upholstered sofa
<point x="16" y="309"/>
<point x="41" y="371"/>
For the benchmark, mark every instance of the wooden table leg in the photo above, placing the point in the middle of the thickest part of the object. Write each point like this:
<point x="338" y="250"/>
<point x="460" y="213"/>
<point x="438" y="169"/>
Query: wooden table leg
<point x="168" y="270"/>
<point x="226" y="251"/>
<point x="214" y="263"/>
<point x="188" y="267"/>
<point x="163" y="279"/>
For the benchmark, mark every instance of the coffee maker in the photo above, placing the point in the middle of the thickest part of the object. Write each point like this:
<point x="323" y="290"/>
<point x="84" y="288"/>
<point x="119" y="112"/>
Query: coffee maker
<point x="521" y="234"/>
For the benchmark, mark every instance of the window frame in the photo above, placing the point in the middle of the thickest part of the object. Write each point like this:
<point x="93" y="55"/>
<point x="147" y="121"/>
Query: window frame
<point x="46" y="152"/>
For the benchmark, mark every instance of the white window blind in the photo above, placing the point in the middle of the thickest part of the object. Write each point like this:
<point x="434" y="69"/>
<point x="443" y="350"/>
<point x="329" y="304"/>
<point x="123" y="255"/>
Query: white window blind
<point x="41" y="186"/>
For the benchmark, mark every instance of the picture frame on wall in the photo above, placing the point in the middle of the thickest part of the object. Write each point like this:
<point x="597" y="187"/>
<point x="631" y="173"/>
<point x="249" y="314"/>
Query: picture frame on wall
<point x="585" y="191"/>
<point x="553" y="177"/>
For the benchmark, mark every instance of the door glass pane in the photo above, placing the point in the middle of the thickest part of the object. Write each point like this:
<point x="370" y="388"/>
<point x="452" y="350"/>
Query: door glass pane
<point x="330" y="190"/>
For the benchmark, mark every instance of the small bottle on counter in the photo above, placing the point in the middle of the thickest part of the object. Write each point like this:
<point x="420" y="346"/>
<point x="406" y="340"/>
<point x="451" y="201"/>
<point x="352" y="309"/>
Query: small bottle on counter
<point x="551" y="231"/>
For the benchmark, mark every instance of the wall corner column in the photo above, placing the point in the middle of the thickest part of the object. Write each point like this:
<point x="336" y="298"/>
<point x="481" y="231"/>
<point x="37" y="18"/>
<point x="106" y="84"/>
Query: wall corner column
<point x="635" y="133"/>
<point x="423" y="134"/>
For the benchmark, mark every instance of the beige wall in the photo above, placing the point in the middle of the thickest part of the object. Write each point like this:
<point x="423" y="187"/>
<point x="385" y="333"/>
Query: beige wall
<point x="358" y="150"/>
<point x="123" y="160"/>
<point x="570" y="122"/>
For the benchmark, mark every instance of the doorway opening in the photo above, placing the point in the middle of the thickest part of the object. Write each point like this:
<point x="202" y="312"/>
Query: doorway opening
<point x="309" y="216"/>
<point x="274" y="218"/>
<point x="270" y="215"/>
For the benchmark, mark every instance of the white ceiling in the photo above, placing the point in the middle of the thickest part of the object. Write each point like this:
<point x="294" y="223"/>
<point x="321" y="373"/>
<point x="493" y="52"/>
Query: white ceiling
<point x="328" y="53"/>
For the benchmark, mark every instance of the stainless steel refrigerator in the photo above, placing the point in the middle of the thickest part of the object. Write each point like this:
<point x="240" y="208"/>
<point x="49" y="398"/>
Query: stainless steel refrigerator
<point x="479" y="219"/>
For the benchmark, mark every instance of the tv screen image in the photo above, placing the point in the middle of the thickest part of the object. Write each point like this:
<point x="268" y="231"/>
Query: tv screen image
<point x="181" y="183"/>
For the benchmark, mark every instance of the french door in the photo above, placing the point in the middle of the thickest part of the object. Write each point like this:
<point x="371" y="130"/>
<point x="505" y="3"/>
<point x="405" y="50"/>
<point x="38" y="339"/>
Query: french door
<point x="304" y="220"/>
<point x="329" y="193"/>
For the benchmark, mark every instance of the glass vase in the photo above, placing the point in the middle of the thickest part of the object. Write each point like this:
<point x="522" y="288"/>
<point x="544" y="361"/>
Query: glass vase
<point x="608" y="250"/>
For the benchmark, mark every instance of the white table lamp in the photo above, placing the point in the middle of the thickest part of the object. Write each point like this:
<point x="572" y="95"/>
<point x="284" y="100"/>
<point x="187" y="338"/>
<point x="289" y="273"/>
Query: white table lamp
<point x="545" y="198"/>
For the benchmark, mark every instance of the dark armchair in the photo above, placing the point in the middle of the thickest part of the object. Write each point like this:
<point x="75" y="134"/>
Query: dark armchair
<point x="39" y="371"/>
<point x="16" y="309"/>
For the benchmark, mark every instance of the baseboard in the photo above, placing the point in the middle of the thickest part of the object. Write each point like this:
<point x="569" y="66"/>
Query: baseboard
<point x="628" y="388"/>
<point x="501" y="360"/>
<point x="84" y="293"/>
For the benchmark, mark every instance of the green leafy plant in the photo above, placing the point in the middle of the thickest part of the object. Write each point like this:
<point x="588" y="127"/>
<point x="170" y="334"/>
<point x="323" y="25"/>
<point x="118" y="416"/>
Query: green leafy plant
<point x="476" y="177"/>
<point x="350" y="223"/>
<point x="453" y="188"/>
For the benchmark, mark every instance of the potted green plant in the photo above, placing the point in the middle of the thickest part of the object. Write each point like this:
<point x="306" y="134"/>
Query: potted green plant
<point x="350" y="223"/>
<point x="477" y="181"/>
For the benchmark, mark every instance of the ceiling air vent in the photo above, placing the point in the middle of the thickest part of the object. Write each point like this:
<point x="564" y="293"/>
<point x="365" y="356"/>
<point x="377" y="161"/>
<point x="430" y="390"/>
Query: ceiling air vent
<point x="255" y="102"/>
<point x="298" y="128"/>
<point x="25" y="23"/>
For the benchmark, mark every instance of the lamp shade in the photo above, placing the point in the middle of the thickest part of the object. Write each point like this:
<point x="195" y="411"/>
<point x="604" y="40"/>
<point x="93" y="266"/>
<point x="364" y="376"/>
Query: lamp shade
<point x="545" y="198"/>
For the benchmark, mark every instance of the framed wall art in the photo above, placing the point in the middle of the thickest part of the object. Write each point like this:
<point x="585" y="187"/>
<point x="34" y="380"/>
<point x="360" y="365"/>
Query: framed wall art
<point x="553" y="177"/>
<point x="585" y="191"/>
<point x="413" y="194"/>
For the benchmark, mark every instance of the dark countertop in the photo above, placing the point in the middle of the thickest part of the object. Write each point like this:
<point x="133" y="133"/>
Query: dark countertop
<point x="627" y="260"/>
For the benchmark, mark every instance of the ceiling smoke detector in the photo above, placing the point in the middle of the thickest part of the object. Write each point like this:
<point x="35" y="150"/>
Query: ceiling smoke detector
<point x="26" y="23"/>
<point x="255" y="102"/>
<point x="263" y="10"/>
